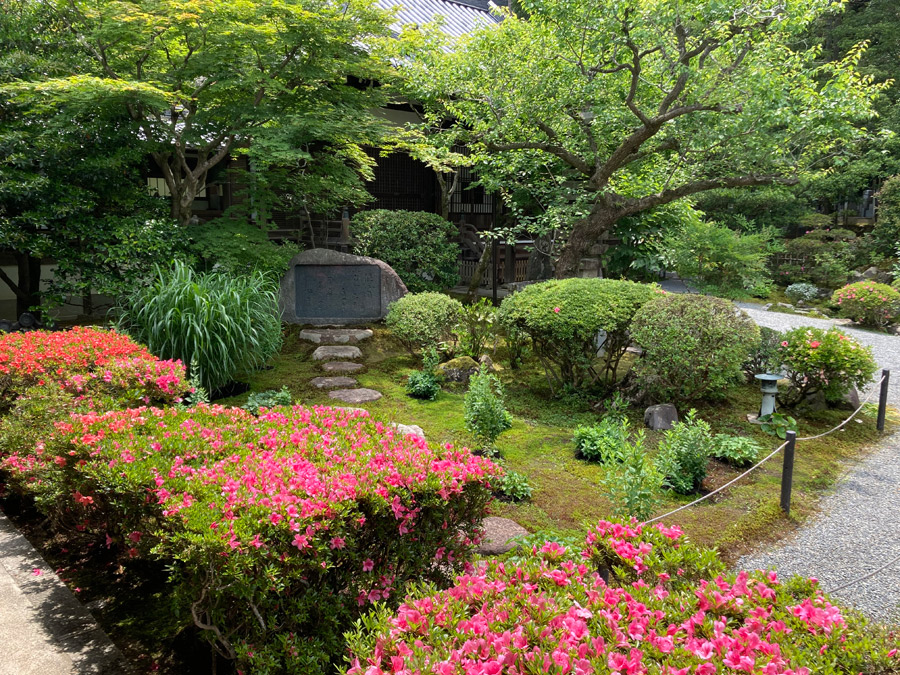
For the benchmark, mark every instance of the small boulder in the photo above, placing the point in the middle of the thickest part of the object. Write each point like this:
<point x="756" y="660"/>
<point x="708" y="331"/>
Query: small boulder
<point x="499" y="535"/>
<point x="661" y="417"/>
<point x="850" y="400"/>
<point x="814" y="402"/>
<point x="406" y="429"/>
<point x="459" y="369"/>
<point x="486" y="360"/>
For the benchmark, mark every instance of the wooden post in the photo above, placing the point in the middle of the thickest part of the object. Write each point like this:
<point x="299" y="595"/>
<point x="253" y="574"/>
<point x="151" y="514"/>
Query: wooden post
<point x="509" y="263"/>
<point x="787" y="473"/>
<point x="882" y="399"/>
<point x="495" y="253"/>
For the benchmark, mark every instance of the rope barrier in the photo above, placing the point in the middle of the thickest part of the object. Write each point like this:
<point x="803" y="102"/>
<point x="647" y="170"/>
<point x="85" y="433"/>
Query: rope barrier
<point x="719" y="489"/>
<point x="863" y="578"/>
<point x="767" y="458"/>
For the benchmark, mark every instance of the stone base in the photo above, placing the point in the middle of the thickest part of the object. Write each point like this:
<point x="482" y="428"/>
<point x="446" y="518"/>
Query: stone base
<point x="361" y="395"/>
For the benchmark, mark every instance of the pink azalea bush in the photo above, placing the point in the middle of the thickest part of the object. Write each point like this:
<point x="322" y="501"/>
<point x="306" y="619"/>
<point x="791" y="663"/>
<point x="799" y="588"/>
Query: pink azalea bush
<point x="868" y="303"/>
<point x="823" y="360"/>
<point x="280" y="529"/>
<point x="87" y="362"/>
<point x="670" y="610"/>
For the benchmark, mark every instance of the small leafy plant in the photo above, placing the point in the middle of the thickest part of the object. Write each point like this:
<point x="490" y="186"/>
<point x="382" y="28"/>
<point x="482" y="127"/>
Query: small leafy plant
<point x="425" y="384"/>
<point x="267" y="399"/>
<point x="736" y="450"/>
<point x="485" y="414"/>
<point x="632" y="485"/>
<point x="777" y="424"/>
<point x="513" y="487"/>
<point x="802" y="291"/>
<point x="477" y="328"/>
<point x="683" y="453"/>
<point x="602" y="442"/>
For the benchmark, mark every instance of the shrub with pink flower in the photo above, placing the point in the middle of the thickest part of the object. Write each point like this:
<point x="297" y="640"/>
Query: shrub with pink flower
<point x="280" y="528"/>
<point x="823" y="360"/>
<point x="552" y="612"/>
<point x="868" y="303"/>
<point x="87" y="362"/>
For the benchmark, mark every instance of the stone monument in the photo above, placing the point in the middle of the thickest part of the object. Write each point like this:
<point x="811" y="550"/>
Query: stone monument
<point x="323" y="287"/>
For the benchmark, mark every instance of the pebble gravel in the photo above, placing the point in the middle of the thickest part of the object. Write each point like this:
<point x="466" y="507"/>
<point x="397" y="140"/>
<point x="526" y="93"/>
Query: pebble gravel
<point x="856" y="532"/>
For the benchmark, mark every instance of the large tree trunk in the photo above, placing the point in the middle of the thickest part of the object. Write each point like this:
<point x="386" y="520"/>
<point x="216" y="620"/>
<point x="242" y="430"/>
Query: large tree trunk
<point x="29" y="282"/>
<point x="585" y="234"/>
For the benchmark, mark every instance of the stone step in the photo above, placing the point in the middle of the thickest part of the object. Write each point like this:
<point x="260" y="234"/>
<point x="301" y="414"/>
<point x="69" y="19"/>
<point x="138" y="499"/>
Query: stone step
<point x="341" y="353"/>
<point x="332" y="382"/>
<point x="361" y="395"/>
<point x="341" y="367"/>
<point x="335" y="335"/>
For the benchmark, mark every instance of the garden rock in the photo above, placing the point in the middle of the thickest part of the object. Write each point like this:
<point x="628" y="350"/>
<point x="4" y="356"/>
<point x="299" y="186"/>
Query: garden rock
<point x="332" y="382"/>
<point x="499" y="534"/>
<point x="850" y="400"/>
<point x="327" y="353"/>
<point x="405" y="429"/>
<point x="459" y="369"/>
<point x="661" y="417"/>
<point x="486" y="360"/>
<point x="341" y="367"/>
<point x="335" y="335"/>
<point x="814" y="402"/>
<point x="361" y="395"/>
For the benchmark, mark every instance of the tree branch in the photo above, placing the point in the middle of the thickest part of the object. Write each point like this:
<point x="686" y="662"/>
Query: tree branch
<point x="688" y="189"/>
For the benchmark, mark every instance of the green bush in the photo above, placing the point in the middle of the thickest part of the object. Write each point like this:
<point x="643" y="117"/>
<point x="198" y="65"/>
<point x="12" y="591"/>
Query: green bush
<point x="886" y="232"/>
<point x="802" y="291"/>
<point x="693" y="346"/>
<point x="563" y="319"/>
<point x="423" y="385"/>
<point x="476" y="329"/>
<point x="822" y="360"/>
<point x="632" y="485"/>
<point x="217" y="324"/>
<point x="267" y="399"/>
<point x="602" y="442"/>
<point x="512" y="487"/>
<point x="239" y="247"/>
<point x="420" y="246"/>
<point x="485" y="414"/>
<point x="684" y="452"/>
<point x="764" y="358"/>
<point x="868" y="303"/>
<point x="717" y="255"/>
<point x="736" y="450"/>
<point x="420" y="320"/>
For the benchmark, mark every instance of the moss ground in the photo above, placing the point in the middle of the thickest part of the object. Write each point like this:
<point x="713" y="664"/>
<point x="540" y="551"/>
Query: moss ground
<point x="566" y="490"/>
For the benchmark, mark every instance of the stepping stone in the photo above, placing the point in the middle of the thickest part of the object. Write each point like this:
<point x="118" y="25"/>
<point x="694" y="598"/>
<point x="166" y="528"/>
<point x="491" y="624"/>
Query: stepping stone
<point x="341" y="367"/>
<point x="335" y="335"/>
<point x="332" y="382"/>
<point x="327" y="353"/>
<point x="361" y="395"/>
<point x="498" y="535"/>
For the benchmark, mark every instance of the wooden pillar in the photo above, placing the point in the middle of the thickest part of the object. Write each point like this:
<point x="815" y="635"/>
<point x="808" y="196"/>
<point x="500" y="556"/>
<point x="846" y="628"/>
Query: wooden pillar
<point x="509" y="267"/>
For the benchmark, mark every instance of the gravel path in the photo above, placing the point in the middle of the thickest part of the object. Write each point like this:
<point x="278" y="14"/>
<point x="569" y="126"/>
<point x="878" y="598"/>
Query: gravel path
<point x="885" y="348"/>
<point x="857" y="531"/>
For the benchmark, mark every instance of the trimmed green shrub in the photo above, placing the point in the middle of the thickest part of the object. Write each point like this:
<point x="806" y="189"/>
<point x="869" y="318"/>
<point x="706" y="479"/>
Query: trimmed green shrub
<point x="802" y="291"/>
<point x="277" y="536"/>
<point x="419" y="320"/>
<point x="736" y="450"/>
<point x="822" y="360"/>
<point x="684" y="452"/>
<point x="632" y="484"/>
<point x="868" y="303"/>
<point x="764" y="358"/>
<point x="602" y="442"/>
<point x="485" y="414"/>
<point x="267" y="399"/>
<point x="693" y="346"/>
<point x="420" y="246"/>
<point x="217" y="324"/>
<point x="563" y="319"/>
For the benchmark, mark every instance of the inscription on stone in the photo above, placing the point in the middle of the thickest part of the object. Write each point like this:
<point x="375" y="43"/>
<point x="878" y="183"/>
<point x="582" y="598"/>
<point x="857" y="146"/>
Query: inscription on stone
<point x="338" y="291"/>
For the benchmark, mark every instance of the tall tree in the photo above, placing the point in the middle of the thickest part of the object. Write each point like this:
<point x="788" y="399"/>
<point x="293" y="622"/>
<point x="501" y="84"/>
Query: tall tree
<point x="604" y="109"/>
<point x="230" y="74"/>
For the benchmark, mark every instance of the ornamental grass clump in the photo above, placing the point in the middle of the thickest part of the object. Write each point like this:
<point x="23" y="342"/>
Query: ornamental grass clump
<point x="279" y="530"/>
<point x="818" y="360"/>
<point x="868" y="303"/>
<point x="87" y="363"/>
<point x="564" y="319"/>
<point x="217" y="324"/>
<point x="693" y="347"/>
<point x="669" y="608"/>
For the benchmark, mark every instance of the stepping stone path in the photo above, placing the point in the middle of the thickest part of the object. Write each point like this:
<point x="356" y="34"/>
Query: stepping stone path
<point x="332" y="382"/>
<point x="327" y="353"/>
<point x="499" y="534"/>
<point x="339" y="336"/>
<point x="341" y="367"/>
<point x="361" y="395"/>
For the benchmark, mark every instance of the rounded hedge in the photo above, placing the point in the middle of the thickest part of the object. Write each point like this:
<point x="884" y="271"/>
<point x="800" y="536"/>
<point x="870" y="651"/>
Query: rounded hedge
<point x="868" y="303"/>
<point x="419" y="246"/>
<point x="421" y="320"/>
<point x="693" y="346"/>
<point x="563" y="318"/>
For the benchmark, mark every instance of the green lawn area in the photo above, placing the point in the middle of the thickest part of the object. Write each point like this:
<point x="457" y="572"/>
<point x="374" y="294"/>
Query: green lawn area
<point x="567" y="493"/>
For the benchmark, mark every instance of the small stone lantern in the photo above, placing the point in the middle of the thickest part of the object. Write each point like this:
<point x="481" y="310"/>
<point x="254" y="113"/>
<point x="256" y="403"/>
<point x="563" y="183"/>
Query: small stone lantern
<point x="769" y="386"/>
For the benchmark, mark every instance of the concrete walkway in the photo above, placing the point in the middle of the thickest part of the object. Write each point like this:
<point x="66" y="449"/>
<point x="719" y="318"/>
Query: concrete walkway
<point x="44" y="629"/>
